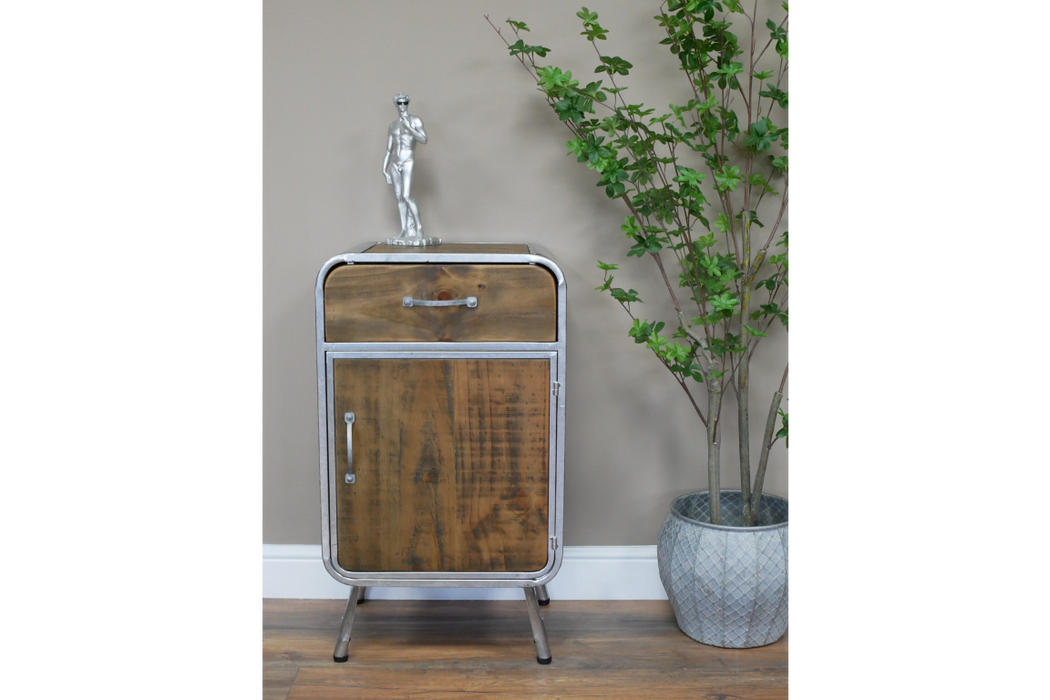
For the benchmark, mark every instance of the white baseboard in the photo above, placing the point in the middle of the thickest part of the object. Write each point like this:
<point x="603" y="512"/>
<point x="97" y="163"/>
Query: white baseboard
<point x="587" y="573"/>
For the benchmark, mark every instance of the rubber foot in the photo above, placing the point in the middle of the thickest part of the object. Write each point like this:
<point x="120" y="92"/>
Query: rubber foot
<point x="545" y="602"/>
<point x="544" y="661"/>
<point x="342" y="659"/>
<point x="362" y="601"/>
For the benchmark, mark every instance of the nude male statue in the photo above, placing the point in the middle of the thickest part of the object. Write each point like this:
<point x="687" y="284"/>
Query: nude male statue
<point x="401" y="143"/>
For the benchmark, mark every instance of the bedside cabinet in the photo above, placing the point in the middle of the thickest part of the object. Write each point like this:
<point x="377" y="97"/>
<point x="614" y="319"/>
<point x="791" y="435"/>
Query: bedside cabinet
<point x="440" y="383"/>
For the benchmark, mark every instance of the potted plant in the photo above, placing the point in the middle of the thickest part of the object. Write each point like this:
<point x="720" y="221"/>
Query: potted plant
<point x="692" y="182"/>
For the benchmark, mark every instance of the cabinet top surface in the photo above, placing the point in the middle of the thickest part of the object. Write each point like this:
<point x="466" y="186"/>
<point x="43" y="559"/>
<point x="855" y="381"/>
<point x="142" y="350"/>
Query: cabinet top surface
<point x="456" y="248"/>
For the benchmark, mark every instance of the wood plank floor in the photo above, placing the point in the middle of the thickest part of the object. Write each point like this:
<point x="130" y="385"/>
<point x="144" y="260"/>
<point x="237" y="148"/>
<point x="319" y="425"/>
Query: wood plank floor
<point x="453" y="649"/>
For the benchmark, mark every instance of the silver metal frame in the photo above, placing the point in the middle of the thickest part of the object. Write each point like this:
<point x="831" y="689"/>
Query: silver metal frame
<point x="539" y="631"/>
<point x="342" y="642"/>
<point x="326" y="352"/>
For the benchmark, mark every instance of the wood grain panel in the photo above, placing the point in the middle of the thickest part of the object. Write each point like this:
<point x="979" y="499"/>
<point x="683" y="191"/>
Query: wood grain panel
<point x="277" y="680"/>
<point x="363" y="303"/>
<point x="452" y="464"/>
<point x="387" y="684"/>
<point x="455" y="248"/>
<point x="445" y="649"/>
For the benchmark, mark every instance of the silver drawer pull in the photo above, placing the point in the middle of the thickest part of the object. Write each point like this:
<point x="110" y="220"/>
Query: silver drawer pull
<point x="470" y="302"/>
<point x="350" y="477"/>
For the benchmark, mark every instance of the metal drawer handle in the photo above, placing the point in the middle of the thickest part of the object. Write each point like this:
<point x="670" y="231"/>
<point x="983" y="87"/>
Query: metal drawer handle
<point x="350" y="476"/>
<point x="470" y="302"/>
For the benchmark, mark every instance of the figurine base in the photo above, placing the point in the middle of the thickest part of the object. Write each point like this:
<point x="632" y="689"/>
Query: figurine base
<point x="413" y="240"/>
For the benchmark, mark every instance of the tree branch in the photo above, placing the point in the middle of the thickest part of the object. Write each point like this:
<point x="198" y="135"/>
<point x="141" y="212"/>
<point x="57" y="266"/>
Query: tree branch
<point x="770" y="42"/>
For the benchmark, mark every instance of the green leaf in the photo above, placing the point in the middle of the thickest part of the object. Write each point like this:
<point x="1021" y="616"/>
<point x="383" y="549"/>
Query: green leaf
<point x="520" y="26"/>
<point x="776" y="94"/>
<point x="594" y="91"/>
<point x="521" y="47"/>
<point x="587" y="16"/>
<point x="770" y="284"/>
<point x="752" y="331"/>
<point x="577" y="148"/>
<point x="614" y="65"/>
<point x="607" y="266"/>
<point x="759" y="136"/>
<point x="752" y="217"/>
<point x="630" y="228"/>
<point x="640" y="331"/>
<point x="728" y="178"/>
<point x="779" y="164"/>
<point x="689" y="176"/>
<point x="624" y="297"/>
<point x="573" y="107"/>
<point x="722" y="223"/>
<point x="591" y="29"/>
<point x="729" y="69"/>
<point x="723" y="302"/>
<point x="758" y="180"/>
<point x="783" y="432"/>
<point x="554" y="82"/>
<point x="703" y="242"/>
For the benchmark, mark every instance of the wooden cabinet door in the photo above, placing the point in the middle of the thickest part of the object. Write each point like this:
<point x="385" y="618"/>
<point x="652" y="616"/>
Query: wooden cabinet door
<point x="451" y="464"/>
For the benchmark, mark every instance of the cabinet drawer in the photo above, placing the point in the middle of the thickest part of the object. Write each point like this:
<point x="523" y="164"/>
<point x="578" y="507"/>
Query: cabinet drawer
<point x="365" y="303"/>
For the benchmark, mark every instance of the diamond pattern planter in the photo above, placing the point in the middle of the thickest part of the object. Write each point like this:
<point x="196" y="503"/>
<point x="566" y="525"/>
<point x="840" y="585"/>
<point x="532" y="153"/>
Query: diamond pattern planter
<point x="728" y="584"/>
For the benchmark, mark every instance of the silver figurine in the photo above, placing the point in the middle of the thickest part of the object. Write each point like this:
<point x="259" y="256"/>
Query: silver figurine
<point x="401" y="144"/>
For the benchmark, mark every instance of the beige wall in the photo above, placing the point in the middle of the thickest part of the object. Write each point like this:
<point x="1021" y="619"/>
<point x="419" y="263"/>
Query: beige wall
<point x="494" y="169"/>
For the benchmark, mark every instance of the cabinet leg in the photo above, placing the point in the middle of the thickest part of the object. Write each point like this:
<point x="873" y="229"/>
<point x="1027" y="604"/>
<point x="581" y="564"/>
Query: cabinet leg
<point x="361" y="594"/>
<point x="342" y="645"/>
<point x="541" y="594"/>
<point x="539" y="632"/>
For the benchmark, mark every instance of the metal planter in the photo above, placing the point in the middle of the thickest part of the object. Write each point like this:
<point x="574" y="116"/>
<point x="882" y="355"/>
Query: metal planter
<point x="728" y="584"/>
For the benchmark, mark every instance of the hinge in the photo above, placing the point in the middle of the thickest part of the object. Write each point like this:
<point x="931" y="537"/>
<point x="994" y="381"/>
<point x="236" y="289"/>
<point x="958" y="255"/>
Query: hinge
<point x="554" y="543"/>
<point x="557" y="388"/>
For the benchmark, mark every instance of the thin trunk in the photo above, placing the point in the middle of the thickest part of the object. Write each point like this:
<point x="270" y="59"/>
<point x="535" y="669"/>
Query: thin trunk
<point x="745" y="445"/>
<point x="743" y="370"/>
<point x="744" y="264"/>
<point x="756" y="496"/>
<point x="714" y="430"/>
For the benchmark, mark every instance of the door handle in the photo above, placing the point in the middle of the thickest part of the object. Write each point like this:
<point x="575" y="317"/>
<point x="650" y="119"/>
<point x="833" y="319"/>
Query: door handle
<point x="350" y="476"/>
<point x="470" y="302"/>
